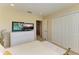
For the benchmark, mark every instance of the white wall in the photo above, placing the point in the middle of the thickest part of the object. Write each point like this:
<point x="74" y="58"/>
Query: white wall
<point x="45" y="29"/>
<point x="21" y="37"/>
<point x="9" y="14"/>
<point x="65" y="31"/>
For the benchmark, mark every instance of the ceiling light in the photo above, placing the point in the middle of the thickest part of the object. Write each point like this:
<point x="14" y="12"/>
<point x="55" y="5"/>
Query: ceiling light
<point x="12" y="5"/>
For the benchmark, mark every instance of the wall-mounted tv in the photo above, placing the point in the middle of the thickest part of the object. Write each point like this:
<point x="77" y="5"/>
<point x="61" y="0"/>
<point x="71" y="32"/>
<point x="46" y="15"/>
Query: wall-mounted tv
<point x="28" y="26"/>
<point x="21" y="26"/>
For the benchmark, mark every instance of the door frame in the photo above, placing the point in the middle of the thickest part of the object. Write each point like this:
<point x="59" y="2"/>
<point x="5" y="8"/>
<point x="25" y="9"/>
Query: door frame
<point x="40" y="27"/>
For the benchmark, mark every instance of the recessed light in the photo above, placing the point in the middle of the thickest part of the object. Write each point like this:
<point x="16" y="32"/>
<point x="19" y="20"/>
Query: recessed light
<point x="12" y="5"/>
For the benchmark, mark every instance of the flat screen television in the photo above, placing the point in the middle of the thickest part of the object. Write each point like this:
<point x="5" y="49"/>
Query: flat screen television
<point x="21" y="26"/>
<point x="28" y="26"/>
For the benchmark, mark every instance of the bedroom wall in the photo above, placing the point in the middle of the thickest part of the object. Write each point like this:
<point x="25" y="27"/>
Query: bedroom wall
<point x="49" y="29"/>
<point x="44" y="29"/>
<point x="64" y="27"/>
<point x="9" y="14"/>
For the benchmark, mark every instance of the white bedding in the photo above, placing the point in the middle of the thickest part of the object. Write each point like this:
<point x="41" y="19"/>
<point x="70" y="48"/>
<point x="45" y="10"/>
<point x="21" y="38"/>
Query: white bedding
<point x="36" y="48"/>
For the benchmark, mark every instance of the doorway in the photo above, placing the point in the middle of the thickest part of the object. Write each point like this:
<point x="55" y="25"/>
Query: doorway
<point x="39" y="30"/>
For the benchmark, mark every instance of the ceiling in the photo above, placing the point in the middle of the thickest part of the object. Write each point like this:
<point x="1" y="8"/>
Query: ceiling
<point x="41" y="9"/>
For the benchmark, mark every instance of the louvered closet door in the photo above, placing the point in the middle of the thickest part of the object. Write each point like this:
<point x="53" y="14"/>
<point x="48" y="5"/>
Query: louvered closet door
<point x="66" y="31"/>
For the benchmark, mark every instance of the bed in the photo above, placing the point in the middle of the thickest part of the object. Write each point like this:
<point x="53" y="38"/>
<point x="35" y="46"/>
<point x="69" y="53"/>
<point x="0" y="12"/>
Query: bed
<point x="36" y="48"/>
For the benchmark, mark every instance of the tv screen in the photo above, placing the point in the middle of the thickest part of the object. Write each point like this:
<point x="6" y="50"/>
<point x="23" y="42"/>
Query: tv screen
<point x="28" y="26"/>
<point x="21" y="26"/>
